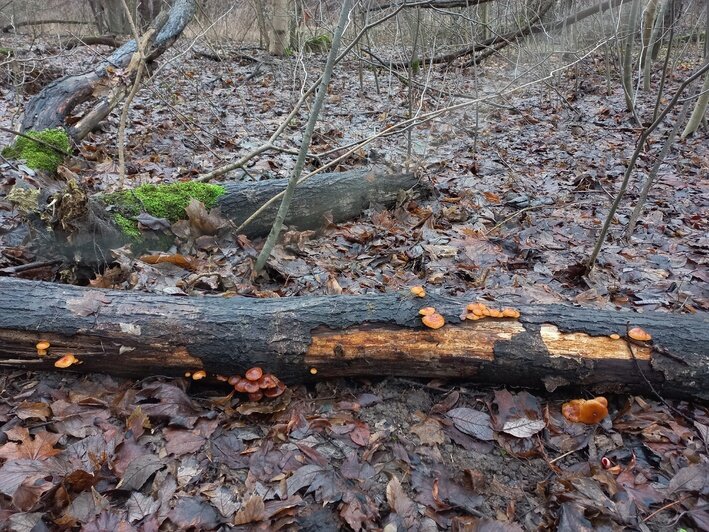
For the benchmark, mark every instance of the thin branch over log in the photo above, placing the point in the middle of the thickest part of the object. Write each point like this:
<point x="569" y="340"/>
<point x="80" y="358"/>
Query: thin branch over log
<point x="548" y="346"/>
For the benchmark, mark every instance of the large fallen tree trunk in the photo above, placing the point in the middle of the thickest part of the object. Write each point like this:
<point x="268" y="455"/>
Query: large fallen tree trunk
<point x="299" y="339"/>
<point x="50" y="107"/>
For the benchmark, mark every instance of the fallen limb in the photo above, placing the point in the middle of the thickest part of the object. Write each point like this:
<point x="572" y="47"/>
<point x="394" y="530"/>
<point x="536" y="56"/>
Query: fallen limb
<point x="306" y="338"/>
<point x="85" y="228"/>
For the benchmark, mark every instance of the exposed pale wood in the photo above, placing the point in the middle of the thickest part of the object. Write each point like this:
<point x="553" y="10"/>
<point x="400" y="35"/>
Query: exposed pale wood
<point x="549" y="346"/>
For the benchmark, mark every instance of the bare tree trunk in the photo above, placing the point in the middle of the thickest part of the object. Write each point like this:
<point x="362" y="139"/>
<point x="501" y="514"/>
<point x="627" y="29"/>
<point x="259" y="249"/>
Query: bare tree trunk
<point x="110" y="15"/>
<point x="655" y="38"/>
<point x="628" y="41"/>
<point x="701" y="107"/>
<point x="280" y="27"/>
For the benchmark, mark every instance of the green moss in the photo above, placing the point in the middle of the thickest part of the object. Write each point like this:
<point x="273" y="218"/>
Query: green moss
<point x="128" y="227"/>
<point x="38" y="156"/>
<point x="318" y="44"/>
<point x="161" y="201"/>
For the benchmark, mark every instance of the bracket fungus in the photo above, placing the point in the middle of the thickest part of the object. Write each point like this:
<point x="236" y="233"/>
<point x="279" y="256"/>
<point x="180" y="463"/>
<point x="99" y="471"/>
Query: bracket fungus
<point x="640" y="335"/>
<point x="434" y="321"/>
<point x="477" y="311"/>
<point x="199" y="374"/>
<point x="418" y="291"/>
<point x="586" y="411"/>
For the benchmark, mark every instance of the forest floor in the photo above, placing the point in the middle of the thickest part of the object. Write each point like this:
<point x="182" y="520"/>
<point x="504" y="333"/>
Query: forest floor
<point x="519" y="192"/>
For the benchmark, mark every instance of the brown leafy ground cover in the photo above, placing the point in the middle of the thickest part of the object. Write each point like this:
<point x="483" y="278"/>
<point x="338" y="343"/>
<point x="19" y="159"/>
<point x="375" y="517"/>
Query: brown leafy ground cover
<point x="512" y="214"/>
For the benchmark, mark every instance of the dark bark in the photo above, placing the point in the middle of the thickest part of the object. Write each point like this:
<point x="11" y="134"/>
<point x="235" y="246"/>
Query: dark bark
<point x="137" y="334"/>
<point x="342" y="195"/>
<point x="54" y="103"/>
<point x="90" y="40"/>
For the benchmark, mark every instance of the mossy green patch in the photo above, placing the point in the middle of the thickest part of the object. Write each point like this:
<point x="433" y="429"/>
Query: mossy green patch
<point x="36" y="155"/>
<point x="161" y="201"/>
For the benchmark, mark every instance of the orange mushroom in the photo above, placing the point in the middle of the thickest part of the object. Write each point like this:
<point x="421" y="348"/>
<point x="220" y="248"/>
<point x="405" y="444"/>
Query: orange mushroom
<point x="427" y="311"/>
<point x="510" y="313"/>
<point x="238" y="383"/>
<point x="615" y="336"/>
<point x="636" y="333"/>
<point x="418" y="291"/>
<point x="583" y="411"/>
<point x="256" y="396"/>
<point x="221" y="378"/>
<point x="251" y="386"/>
<point x="434" y="321"/>
<point x="66" y="361"/>
<point x="274" y="392"/>
<point x="476" y="308"/>
<point x="313" y="371"/>
<point x="188" y="374"/>
<point x="267" y="381"/>
<point x="253" y="374"/>
<point x="199" y="374"/>
<point x="42" y="347"/>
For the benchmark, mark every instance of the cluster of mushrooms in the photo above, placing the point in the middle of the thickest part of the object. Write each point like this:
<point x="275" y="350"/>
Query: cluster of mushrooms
<point x="257" y="384"/>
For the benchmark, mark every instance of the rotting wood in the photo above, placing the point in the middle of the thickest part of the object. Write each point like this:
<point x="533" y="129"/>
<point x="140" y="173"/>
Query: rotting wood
<point x="549" y="346"/>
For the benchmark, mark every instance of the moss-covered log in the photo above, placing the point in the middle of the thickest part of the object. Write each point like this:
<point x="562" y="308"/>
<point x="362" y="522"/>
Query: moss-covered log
<point x="84" y="228"/>
<point x="306" y="338"/>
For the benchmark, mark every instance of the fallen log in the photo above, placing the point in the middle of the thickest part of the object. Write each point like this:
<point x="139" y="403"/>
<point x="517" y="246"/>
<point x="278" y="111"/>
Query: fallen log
<point x="84" y="228"/>
<point x="305" y="338"/>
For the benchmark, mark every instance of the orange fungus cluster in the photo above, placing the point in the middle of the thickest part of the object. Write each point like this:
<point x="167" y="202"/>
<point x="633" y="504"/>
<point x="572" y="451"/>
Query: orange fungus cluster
<point x="478" y="311"/>
<point x="257" y="384"/>
<point x="585" y="411"/>
<point x="431" y="318"/>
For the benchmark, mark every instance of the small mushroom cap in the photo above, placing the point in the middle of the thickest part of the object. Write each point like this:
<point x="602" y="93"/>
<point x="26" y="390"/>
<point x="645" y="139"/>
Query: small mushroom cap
<point x="434" y="321"/>
<point x="255" y="396"/>
<point x="66" y="361"/>
<point x="233" y="380"/>
<point x="495" y="313"/>
<point x="601" y="400"/>
<point x="188" y="374"/>
<point x="636" y="333"/>
<point x="471" y="316"/>
<point x="240" y="385"/>
<point x="427" y="311"/>
<point x="254" y="374"/>
<point x="418" y="291"/>
<point x="582" y="411"/>
<point x="199" y="374"/>
<point x="267" y="381"/>
<point x="615" y="336"/>
<point x="42" y="345"/>
<point x="221" y="378"/>
<point x="476" y="308"/>
<point x="251" y="386"/>
<point x="274" y="392"/>
<point x="313" y="371"/>
<point x="510" y="313"/>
